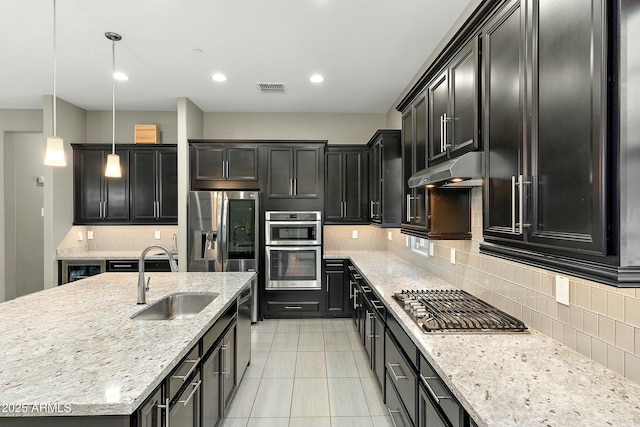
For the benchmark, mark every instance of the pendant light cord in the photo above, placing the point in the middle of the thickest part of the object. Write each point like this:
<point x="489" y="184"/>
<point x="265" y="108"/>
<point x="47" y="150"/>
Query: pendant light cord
<point x="113" y="96"/>
<point x="54" y="71"/>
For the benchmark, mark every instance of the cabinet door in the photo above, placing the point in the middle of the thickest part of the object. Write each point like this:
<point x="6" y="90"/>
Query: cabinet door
<point x="207" y="163"/>
<point x="503" y="93"/>
<point x="355" y="188"/>
<point x="375" y="189"/>
<point x="419" y="202"/>
<point x="116" y="195"/>
<point x="334" y="197"/>
<point x="143" y="186"/>
<point x="569" y="210"/>
<point x="462" y="128"/>
<point x="211" y="386"/>
<point x="378" y="350"/>
<point x="306" y="179"/>
<point x="168" y="186"/>
<point x="242" y="164"/>
<point x="408" y="165"/>
<point x="150" y="415"/>
<point x="88" y="176"/>
<point x="439" y="123"/>
<point x="185" y="412"/>
<point x="336" y="289"/>
<point x="280" y="172"/>
<point x="228" y="365"/>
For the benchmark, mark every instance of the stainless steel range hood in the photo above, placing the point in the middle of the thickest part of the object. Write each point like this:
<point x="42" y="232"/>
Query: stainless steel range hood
<point x="468" y="169"/>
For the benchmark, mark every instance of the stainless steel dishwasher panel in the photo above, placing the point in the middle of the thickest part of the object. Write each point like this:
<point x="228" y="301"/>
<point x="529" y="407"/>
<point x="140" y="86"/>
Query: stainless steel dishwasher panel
<point x="243" y="331"/>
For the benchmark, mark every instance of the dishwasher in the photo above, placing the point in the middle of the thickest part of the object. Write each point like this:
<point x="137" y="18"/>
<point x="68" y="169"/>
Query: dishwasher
<point x="243" y="329"/>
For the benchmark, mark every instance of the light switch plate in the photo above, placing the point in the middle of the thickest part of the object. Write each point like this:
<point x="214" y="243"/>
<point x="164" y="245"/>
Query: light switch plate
<point x="431" y="248"/>
<point x="90" y="235"/>
<point x="406" y="241"/>
<point x="354" y="234"/>
<point x="389" y="235"/>
<point x="80" y="237"/>
<point x="156" y="235"/>
<point x="562" y="290"/>
<point x="453" y="256"/>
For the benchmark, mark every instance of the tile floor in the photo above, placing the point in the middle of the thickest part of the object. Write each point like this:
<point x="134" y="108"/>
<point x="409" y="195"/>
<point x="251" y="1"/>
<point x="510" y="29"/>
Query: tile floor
<point x="307" y="373"/>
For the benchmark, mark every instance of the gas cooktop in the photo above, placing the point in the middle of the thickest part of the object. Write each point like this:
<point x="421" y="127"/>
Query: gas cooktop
<point x="456" y="311"/>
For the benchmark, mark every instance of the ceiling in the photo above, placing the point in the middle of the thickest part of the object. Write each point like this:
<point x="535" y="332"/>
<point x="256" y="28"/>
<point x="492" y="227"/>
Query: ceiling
<point x="367" y="51"/>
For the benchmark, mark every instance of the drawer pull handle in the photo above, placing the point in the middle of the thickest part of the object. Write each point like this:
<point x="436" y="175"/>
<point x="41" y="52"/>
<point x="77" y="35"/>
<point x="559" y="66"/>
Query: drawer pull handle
<point x="188" y="374"/>
<point x="430" y="390"/>
<point x="195" y="388"/>
<point x="121" y="265"/>
<point x="393" y="372"/>
<point x="166" y="408"/>
<point x="293" y="307"/>
<point x="392" y="413"/>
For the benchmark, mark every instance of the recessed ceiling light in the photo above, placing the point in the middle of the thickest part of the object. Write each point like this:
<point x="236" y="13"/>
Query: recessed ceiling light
<point x="219" y="77"/>
<point x="119" y="75"/>
<point x="316" y="78"/>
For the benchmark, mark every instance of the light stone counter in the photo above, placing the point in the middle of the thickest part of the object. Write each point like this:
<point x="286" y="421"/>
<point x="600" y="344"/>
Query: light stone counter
<point x="112" y="255"/>
<point x="506" y="379"/>
<point x="76" y="344"/>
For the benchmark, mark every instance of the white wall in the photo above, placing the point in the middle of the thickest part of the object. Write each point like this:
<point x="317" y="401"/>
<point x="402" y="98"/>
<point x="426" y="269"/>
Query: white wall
<point x="13" y="121"/>
<point x="99" y="125"/>
<point x="347" y="128"/>
<point x="58" y="190"/>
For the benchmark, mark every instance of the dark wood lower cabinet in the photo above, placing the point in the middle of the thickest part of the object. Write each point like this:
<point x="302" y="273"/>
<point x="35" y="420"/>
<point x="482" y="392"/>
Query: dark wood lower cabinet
<point x="336" y="288"/>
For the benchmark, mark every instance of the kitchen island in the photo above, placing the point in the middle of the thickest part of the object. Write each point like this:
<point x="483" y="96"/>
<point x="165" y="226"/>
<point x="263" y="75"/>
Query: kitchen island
<point x="504" y="379"/>
<point x="74" y="351"/>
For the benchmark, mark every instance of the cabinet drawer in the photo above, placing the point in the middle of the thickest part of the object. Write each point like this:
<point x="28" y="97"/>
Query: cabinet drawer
<point x="218" y="328"/>
<point x="334" y="264"/>
<point x="440" y="394"/>
<point x="396" y="410"/>
<point x="401" y="375"/>
<point x="409" y="348"/>
<point x="293" y="306"/>
<point x="183" y="372"/>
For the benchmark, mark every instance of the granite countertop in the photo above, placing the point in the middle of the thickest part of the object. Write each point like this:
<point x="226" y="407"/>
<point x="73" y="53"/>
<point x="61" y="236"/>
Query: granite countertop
<point x="506" y="379"/>
<point x="111" y="255"/>
<point x="76" y="344"/>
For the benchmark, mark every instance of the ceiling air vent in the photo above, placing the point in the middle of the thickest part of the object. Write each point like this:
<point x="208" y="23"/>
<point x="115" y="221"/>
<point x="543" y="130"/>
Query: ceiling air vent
<point x="271" y="87"/>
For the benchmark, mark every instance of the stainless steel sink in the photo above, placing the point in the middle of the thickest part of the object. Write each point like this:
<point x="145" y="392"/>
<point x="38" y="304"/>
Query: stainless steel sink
<point x="180" y="305"/>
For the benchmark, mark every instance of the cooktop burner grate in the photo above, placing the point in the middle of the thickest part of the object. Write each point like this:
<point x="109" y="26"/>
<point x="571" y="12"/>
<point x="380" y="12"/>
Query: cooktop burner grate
<point x="456" y="311"/>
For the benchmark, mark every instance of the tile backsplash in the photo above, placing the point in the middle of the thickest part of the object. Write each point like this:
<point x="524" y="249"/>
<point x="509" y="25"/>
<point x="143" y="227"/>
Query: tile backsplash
<point x="114" y="238"/>
<point x="602" y="322"/>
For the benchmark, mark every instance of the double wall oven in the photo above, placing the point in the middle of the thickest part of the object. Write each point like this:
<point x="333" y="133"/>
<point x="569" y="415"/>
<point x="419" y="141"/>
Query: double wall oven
<point x="293" y="242"/>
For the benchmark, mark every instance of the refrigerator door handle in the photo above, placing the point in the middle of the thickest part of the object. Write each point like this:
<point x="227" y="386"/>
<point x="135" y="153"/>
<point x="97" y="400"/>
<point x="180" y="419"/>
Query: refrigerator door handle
<point x="223" y="253"/>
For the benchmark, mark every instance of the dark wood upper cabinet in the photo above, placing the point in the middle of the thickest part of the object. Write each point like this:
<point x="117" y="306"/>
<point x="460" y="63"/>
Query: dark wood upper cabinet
<point x="98" y="199"/>
<point x="546" y="181"/>
<point x="414" y="159"/>
<point x="154" y="186"/>
<point x="453" y="106"/>
<point x="293" y="172"/>
<point x="385" y="178"/>
<point x="147" y="192"/>
<point x="223" y="165"/>
<point x="346" y="179"/>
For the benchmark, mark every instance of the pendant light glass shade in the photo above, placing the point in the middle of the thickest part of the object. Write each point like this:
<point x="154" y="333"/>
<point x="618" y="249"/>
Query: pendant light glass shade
<point x="55" y="152"/>
<point x="113" y="160"/>
<point x="113" y="166"/>
<point x="55" y="145"/>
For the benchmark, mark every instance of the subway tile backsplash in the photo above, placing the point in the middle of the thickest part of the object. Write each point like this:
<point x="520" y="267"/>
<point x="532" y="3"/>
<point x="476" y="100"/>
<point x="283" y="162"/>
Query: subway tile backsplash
<point x="601" y="322"/>
<point x="118" y="238"/>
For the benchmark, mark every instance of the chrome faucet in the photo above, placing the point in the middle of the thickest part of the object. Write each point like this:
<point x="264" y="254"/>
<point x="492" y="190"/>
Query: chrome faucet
<point x="143" y="286"/>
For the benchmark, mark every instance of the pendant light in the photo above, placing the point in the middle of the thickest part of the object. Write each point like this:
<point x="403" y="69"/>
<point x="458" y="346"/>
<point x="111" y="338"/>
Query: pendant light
<point x="55" y="145"/>
<point x="113" y="160"/>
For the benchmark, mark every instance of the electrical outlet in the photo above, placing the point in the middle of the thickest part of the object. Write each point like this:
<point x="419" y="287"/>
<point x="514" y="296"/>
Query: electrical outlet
<point x="80" y="236"/>
<point x="406" y="241"/>
<point x="90" y="235"/>
<point x="431" y="248"/>
<point x="389" y="235"/>
<point x="156" y="235"/>
<point x="562" y="290"/>
<point x="453" y="256"/>
<point x="354" y="234"/>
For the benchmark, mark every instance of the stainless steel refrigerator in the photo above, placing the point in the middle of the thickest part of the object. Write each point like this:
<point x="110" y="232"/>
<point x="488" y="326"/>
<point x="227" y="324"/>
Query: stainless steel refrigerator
<point x="223" y="232"/>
